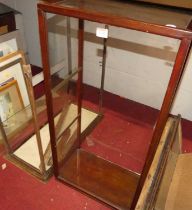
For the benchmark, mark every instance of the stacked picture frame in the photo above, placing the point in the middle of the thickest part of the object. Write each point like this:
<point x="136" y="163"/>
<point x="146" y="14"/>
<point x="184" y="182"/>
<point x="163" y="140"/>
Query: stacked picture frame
<point x="20" y="132"/>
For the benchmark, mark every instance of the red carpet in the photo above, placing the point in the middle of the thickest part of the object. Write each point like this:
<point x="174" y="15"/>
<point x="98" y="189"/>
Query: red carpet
<point x="122" y="137"/>
<point x="135" y="112"/>
<point x="20" y="191"/>
<point x="120" y="140"/>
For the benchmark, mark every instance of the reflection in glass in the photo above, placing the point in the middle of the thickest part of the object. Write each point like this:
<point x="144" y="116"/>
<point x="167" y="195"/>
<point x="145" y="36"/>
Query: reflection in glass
<point x="66" y="143"/>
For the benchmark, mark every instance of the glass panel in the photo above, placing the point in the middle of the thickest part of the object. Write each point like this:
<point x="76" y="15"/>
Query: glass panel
<point x="67" y="143"/>
<point x="18" y="132"/>
<point x="21" y="137"/>
<point x="14" y="101"/>
<point x="138" y="69"/>
<point x="16" y="125"/>
<point x="63" y="61"/>
<point x="62" y="38"/>
<point x="64" y="102"/>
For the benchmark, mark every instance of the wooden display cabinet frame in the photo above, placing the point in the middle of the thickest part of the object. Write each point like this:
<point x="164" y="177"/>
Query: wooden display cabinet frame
<point x="10" y="136"/>
<point x="81" y="12"/>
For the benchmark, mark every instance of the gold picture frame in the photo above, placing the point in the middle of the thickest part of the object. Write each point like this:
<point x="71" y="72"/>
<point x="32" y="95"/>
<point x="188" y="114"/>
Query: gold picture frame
<point x="12" y="81"/>
<point x="11" y="104"/>
<point x="13" y="56"/>
<point x="11" y="67"/>
<point x="10" y="101"/>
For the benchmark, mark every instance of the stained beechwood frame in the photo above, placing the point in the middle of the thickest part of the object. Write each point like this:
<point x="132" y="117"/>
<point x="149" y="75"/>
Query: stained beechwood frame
<point x="82" y="12"/>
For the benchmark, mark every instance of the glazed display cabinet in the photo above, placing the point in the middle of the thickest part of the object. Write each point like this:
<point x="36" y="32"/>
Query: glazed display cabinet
<point x="70" y="121"/>
<point x="23" y="120"/>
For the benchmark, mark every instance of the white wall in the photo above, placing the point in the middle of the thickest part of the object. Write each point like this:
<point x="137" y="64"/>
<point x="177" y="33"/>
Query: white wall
<point x="138" y="64"/>
<point x="28" y="25"/>
<point x="29" y="10"/>
<point x="138" y="67"/>
<point x="10" y="3"/>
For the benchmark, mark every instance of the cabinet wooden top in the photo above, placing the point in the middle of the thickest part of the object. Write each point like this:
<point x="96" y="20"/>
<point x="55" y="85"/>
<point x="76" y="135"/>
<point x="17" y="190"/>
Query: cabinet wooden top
<point x="187" y="4"/>
<point x="166" y="21"/>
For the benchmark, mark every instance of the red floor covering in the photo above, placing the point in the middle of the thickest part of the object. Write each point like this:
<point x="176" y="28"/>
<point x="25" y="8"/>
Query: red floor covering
<point x="20" y="191"/>
<point x="120" y="140"/>
<point x="122" y="137"/>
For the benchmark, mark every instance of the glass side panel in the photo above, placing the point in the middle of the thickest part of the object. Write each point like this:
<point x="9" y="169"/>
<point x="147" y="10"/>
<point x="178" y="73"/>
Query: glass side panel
<point x="64" y="102"/>
<point x="18" y="134"/>
<point x="67" y="143"/>
<point x="137" y="11"/>
<point x="28" y="150"/>
<point x="16" y="125"/>
<point x="138" y="69"/>
<point x="15" y="111"/>
<point x="20" y="126"/>
<point x="62" y="36"/>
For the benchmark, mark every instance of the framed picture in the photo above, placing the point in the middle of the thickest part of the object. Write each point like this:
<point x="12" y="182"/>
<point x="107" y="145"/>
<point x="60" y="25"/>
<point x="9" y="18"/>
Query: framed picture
<point x="10" y="101"/>
<point x="11" y="67"/>
<point x="11" y="42"/>
<point x="12" y="57"/>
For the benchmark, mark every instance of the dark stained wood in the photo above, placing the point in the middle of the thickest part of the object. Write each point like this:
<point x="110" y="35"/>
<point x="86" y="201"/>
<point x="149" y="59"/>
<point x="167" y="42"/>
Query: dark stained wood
<point x="103" y="179"/>
<point x="175" y="3"/>
<point x="9" y="21"/>
<point x="165" y="109"/>
<point x="117" y="13"/>
<point x="80" y="76"/>
<point x="43" y="33"/>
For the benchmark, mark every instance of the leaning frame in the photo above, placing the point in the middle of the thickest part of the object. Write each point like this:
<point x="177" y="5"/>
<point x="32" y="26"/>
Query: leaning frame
<point x="25" y="115"/>
<point x="184" y="35"/>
